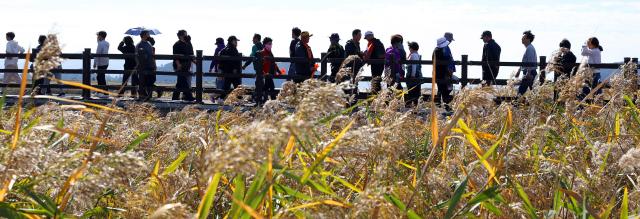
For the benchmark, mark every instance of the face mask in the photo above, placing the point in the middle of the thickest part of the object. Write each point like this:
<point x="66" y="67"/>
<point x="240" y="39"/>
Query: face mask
<point x="268" y="47"/>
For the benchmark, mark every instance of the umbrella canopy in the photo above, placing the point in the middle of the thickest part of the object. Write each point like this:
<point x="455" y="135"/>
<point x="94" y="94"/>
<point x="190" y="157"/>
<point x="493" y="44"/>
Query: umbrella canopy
<point x="137" y="30"/>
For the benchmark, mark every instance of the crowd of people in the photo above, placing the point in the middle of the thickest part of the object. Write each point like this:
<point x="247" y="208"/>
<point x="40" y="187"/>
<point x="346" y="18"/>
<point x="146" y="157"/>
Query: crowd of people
<point x="386" y="64"/>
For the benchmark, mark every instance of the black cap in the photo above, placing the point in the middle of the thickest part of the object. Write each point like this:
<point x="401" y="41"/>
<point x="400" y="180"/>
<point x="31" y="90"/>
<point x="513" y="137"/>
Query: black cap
<point x="219" y="41"/>
<point x="232" y="38"/>
<point x="413" y="45"/>
<point x="334" y="36"/>
<point x="486" y="33"/>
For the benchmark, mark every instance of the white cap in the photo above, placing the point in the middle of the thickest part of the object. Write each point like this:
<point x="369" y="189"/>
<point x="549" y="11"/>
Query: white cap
<point x="368" y="33"/>
<point x="442" y="42"/>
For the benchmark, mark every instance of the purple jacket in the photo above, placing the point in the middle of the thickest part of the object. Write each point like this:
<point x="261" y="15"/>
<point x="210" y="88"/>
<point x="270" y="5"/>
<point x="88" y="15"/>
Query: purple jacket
<point x="392" y="60"/>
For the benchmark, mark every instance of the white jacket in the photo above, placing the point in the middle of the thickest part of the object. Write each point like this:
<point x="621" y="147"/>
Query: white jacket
<point x="13" y="48"/>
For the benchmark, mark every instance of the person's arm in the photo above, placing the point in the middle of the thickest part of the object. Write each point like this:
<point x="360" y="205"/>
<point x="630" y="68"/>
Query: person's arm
<point x="253" y="54"/>
<point x="586" y="51"/>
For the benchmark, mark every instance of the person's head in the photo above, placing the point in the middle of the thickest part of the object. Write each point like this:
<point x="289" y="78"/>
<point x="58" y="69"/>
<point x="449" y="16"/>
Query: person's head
<point x="256" y="38"/>
<point x="232" y="41"/>
<point x="334" y="38"/>
<point x="305" y="36"/>
<point x="413" y="47"/>
<point x="295" y="32"/>
<point x="182" y="34"/>
<point x="565" y="44"/>
<point x="102" y="35"/>
<point x="449" y="36"/>
<point x="356" y="35"/>
<point x="486" y="36"/>
<point x="220" y="42"/>
<point x="396" y="40"/>
<point x="129" y="41"/>
<point x="268" y="43"/>
<point x="41" y="39"/>
<point x="152" y="41"/>
<point x="527" y="37"/>
<point x="593" y="43"/>
<point x="11" y="36"/>
<point x="144" y="35"/>
<point x="368" y="35"/>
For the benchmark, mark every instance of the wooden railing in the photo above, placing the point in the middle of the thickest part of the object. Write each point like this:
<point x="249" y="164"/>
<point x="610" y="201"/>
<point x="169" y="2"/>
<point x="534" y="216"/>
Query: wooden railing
<point x="199" y="73"/>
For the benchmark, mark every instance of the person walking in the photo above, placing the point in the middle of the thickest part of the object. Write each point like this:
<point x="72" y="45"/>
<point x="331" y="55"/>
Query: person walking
<point x="145" y="66"/>
<point x="443" y="75"/>
<point x="335" y="51"/>
<point x="128" y="47"/>
<point x="530" y="58"/>
<point x="295" y="35"/>
<point x="214" y="67"/>
<point x="182" y="67"/>
<point x="393" y="62"/>
<point x="259" y="81"/>
<point x="375" y="51"/>
<point x="231" y="69"/>
<point x="490" y="59"/>
<point x="592" y="52"/>
<point x="414" y="74"/>
<point x="12" y="62"/>
<point x="102" y="63"/>
<point x="268" y="68"/>
<point x="304" y="69"/>
<point x="41" y="84"/>
<point x="352" y="47"/>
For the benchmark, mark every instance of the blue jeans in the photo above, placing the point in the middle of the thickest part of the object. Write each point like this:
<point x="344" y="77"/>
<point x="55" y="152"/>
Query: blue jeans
<point x="527" y="81"/>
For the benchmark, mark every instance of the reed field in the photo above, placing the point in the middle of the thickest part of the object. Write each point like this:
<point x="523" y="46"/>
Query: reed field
<point x="311" y="154"/>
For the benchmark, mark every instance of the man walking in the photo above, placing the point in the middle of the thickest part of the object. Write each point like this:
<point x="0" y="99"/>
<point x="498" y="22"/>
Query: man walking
<point x="305" y="69"/>
<point x="352" y="47"/>
<point x="145" y="67"/>
<point x="102" y="63"/>
<point x="490" y="59"/>
<point x="295" y="34"/>
<point x="259" y="82"/>
<point x="375" y="51"/>
<point x="231" y="68"/>
<point x="336" y="51"/>
<point x="182" y="67"/>
<point x="530" y="62"/>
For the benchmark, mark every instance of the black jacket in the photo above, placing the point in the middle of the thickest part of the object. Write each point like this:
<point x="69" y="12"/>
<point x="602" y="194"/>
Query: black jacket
<point x="228" y="66"/>
<point x="490" y="53"/>
<point x="129" y="63"/>
<point x="352" y="48"/>
<point x="567" y="62"/>
<point x="292" y="47"/>
<point x="303" y="68"/>
<point x="185" y="49"/>
<point x="335" y="52"/>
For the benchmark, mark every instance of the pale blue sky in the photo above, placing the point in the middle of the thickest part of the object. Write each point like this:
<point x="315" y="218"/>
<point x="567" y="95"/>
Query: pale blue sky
<point x="614" y="22"/>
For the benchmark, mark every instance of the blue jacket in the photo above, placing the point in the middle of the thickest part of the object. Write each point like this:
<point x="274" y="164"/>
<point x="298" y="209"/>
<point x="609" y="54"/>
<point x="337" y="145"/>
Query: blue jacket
<point x="144" y="54"/>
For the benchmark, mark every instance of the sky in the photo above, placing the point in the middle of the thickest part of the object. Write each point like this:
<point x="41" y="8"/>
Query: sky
<point x="424" y="21"/>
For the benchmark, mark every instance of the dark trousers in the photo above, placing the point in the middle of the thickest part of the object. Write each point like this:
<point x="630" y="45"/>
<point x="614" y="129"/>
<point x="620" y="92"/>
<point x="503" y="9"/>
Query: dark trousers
<point x="593" y="84"/>
<point x="527" y="81"/>
<point x="376" y="73"/>
<point x="101" y="76"/>
<point x="266" y="90"/>
<point x="183" y="87"/>
<point x="228" y="81"/>
<point x="444" y="95"/>
<point x="147" y="80"/>
<point x="42" y="87"/>
<point x="412" y="97"/>
<point x="135" y="81"/>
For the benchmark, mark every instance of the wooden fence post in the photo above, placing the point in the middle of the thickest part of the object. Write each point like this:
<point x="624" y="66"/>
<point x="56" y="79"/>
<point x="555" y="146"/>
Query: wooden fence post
<point x="199" y="73"/>
<point x="464" y="70"/>
<point x="86" y="73"/>
<point x="543" y="66"/>
<point x="323" y="64"/>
